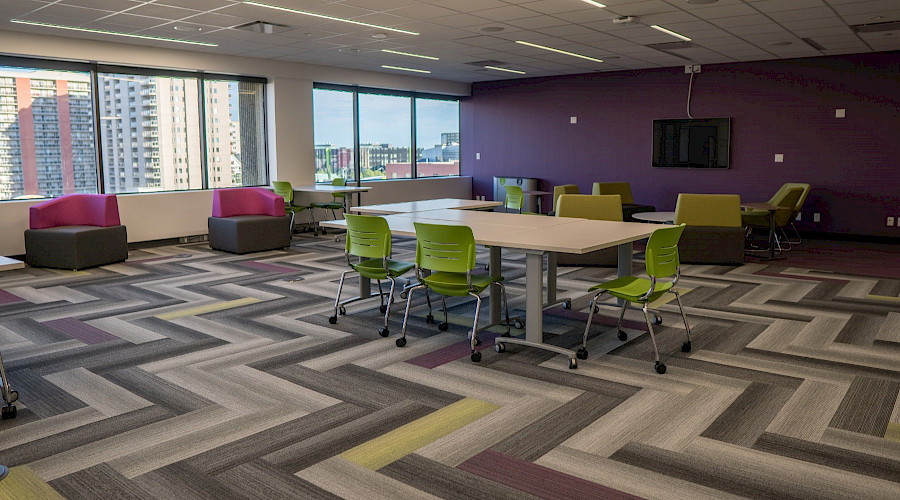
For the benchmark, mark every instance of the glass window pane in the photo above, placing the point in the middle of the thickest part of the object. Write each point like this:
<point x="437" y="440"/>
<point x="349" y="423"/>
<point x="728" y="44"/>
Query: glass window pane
<point x="235" y="133"/>
<point x="437" y="137"/>
<point x="333" y="134"/>
<point x="149" y="133"/>
<point x="46" y="133"/>
<point x="384" y="137"/>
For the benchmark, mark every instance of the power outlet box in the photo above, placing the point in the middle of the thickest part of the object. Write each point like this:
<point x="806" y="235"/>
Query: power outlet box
<point x="890" y="221"/>
<point x="817" y="217"/>
<point x="692" y="68"/>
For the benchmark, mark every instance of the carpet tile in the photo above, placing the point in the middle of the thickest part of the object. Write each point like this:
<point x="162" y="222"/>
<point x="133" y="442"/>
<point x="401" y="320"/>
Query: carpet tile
<point x="195" y="374"/>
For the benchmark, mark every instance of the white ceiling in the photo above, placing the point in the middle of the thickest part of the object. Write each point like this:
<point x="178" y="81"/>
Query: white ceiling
<point x="462" y="32"/>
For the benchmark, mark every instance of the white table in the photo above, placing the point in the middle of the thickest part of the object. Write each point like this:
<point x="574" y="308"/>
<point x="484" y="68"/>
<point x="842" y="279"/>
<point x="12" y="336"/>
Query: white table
<point x="6" y="264"/>
<point x="655" y="217"/>
<point x="333" y="190"/>
<point x="423" y="205"/>
<point x="534" y="235"/>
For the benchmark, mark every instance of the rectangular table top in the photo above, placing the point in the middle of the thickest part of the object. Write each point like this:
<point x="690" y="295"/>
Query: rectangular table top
<point x="422" y="205"/>
<point x="328" y="188"/>
<point x="523" y="232"/>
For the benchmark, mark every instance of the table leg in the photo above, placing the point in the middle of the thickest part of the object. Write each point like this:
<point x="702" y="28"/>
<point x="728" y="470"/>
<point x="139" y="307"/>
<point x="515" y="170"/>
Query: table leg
<point x="772" y="234"/>
<point x="551" y="277"/>
<point x="496" y="300"/>
<point x="534" y="297"/>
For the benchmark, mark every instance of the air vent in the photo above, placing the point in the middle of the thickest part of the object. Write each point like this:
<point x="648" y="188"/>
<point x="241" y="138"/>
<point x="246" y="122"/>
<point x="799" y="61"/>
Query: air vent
<point x="264" y="27"/>
<point x="671" y="46"/>
<point x="486" y="63"/>
<point x="876" y="27"/>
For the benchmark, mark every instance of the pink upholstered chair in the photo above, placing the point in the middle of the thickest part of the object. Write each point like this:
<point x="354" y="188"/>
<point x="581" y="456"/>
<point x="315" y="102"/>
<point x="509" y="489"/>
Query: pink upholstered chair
<point x="247" y="220"/>
<point x="76" y="231"/>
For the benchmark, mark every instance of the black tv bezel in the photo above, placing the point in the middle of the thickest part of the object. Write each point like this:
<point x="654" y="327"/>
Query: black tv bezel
<point x="698" y="121"/>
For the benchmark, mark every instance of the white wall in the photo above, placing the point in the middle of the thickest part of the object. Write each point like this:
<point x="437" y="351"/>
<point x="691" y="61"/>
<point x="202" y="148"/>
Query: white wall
<point x="290" y="125"/>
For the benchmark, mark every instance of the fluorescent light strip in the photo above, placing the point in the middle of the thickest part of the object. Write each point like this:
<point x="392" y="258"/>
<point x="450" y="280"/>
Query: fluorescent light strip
<point x="323" y="16"/>
<point x="595" y="4"/>
<point x="401" y="68"/>
<point x="551" y="49"/>
<point x="506" y="69"/>
<point x="670" y="32"/>
<point x="410" y="54"/>
<point x="116" y="33"/>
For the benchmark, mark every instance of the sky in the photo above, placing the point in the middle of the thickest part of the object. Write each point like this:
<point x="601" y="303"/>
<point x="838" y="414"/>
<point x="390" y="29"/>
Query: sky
<point x="383" y="119"/>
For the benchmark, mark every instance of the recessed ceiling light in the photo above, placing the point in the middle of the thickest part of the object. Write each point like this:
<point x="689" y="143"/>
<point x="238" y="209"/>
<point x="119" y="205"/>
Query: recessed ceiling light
<point x="410" y="54"/>
<point x="379" y="36"/>
<point x="116" y="33"/>
<point x="323" y="16"/>
<point x="506" y="69"/>
<point x="701" y="2"/>
<point x="670" y="32"/>
<point x="401" y="68"/>
<point x="192" y="29"/>
<point x="492" y="29"/>
<point x="779" y="44"/>
<point x="551" y="49"/>
<point x="595" y="4"/>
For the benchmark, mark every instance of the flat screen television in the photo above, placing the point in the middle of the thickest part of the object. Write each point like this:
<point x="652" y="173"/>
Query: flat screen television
<point x="692" y="143"/>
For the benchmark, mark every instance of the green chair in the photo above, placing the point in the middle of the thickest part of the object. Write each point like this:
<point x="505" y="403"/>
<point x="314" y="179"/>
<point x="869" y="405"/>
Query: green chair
<point x="286" y="191"/>
<point x="336" y="203"/>
<point x="787" y="199"/>
<point x="561" y="190"/>
<point x="594" y="207"/>
<point x="515" y="198"/>
<point x="448" y="253"/>
<point x="369" y="239"/>
<point x="662" y="262"/>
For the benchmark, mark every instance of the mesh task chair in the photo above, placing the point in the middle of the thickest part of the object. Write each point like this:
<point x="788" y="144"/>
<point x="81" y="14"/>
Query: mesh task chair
<point x="448" y="252"/>
<point x="369" y="239"/>
<point x="336" y="203"/>
<point x="662" y="262"/>
<point x="286" y="191"/>
<point x="760" y="218"/>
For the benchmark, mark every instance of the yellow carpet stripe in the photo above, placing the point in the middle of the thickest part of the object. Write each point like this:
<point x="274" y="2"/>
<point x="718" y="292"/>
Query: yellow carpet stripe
<point x="23" y="484"/>
<point x="406" y="439"/>
<point x="893" y="431"/>
<point x="669" y="297"/>
<point x="883" y="297"/>
<point x="218" y="306"/>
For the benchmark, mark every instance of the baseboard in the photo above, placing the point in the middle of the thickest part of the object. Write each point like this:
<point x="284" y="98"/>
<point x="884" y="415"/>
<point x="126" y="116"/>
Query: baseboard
<point x="862" y="238"/>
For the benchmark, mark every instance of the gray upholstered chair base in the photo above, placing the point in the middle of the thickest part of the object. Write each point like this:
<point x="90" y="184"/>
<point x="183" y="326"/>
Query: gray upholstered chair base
<point x="249" y="233"/>
<point x="602" y="257"/>
<point x="711" y="245"/>
<point x="629" y="209"/>
<point x="75" y="247"/>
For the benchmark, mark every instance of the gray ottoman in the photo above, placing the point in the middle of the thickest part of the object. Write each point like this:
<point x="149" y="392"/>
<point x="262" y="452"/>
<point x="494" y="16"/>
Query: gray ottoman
<point x="249" y="233"/>
<point x="75" y="247"/>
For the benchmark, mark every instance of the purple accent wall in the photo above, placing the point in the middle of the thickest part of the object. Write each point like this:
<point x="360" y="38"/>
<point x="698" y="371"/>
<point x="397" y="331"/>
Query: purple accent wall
<point x="521" y="128"/>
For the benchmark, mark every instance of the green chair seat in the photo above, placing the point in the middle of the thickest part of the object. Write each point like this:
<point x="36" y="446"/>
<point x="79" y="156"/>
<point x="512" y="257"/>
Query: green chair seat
<point x="375" y="268"/>
<point x="286" y="191"/>
<point x="336" y="203"/>
<point x="330" y="205"/>
<point x="455" y="284"/>
<point x="661" y="257"/>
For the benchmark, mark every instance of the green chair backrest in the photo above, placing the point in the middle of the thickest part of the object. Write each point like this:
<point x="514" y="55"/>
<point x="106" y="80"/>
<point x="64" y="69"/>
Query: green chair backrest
<point x="514" y="198"/>
<point x="368" y="236"/>
<point x="789" y="202"/>
<point x="441" y="247"/>
<point x="338" y="181"/>
<point x="589" y="206"/>
<point x="662" y="251"/>
<point x="782" y="191"/>
<point x="717" y="210"/>
<point x="563" y="189"/>
<point x="284" y="189"/>
<point x="622" y="189"/>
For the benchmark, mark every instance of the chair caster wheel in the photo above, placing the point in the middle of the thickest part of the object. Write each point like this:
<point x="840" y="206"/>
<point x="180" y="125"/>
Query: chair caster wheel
<point x="401" y="342"/>
<point x="324" y="232"/>
<point x="476" y="357"/>
<point x="581" y="353"/>
<point x="384" y="332"/>
<point x="342" y="311"/>
<point x="658" y="320"/>
<point x="567" y="304"/>
<point x="660" y="368"/>
<point x="403" y="295"/>
<point x="332" y="320"/>
<point x="383" y="309"/>
<point x="519" y="324"/>
<point x="686" y="347"/>
<point x="443" y="326"/>
<point x="500" y="347"/>
<point x="573" y="364"/>
<point x="429" y="319"/>
<point x="622" y="336"/>
<point x="8" y="412"/>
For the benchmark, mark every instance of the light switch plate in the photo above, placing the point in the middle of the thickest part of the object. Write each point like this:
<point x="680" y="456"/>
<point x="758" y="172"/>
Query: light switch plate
<point x="779" y="158"/>
<point x="840" y="113"/>
<point x="573" y="120"/>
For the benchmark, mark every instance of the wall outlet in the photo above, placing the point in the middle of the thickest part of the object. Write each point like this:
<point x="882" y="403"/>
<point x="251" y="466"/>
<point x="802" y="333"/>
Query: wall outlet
<point x="817" y="217"/>
<point x="890" y="221"/>
<point x="695" y="68"/>
<point x="840" y="113"/>
<point x="477" y="156"/>
<point x="692" y="68"/>
<point x="779" y="158"/>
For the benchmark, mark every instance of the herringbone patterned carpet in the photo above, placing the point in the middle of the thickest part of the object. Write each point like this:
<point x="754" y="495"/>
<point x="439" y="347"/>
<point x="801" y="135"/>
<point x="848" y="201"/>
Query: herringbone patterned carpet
<point x="187" y="373"/>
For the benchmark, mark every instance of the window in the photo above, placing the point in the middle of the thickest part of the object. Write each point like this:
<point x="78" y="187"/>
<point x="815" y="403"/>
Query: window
<point x="390" y="144"/>
<point x="243" y="133"/>
<point x="46" y="133"/>
<point x="333" y="134"/>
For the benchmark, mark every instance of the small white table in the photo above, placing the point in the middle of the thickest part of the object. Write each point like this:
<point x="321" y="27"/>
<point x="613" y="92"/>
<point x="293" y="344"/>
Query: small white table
<point x="7" y="264"/>
<point x="424" y="205"/>
<point x="655" y="217"/>
<point x="539" y="194"/>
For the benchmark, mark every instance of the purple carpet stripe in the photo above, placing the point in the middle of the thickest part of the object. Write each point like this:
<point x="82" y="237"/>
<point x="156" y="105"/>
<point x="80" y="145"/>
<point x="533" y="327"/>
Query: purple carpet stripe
<point x="8" y="298"/>
<point x="536" y="479"/>
<point x="80" y="330"/>
<point x="453" y="352"/>
<point x="262" y="266"/>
